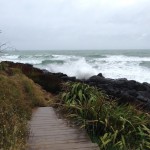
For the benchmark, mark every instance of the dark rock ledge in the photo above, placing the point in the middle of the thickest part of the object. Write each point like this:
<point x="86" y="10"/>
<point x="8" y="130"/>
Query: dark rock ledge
<point x="127" y="91"/>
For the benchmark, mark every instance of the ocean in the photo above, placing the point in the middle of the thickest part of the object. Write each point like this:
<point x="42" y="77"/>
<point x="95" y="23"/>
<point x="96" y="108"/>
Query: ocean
<point x="130" y="64"/>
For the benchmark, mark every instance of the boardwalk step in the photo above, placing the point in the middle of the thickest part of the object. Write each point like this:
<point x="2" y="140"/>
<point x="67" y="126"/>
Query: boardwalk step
<point x="47" y="132"/>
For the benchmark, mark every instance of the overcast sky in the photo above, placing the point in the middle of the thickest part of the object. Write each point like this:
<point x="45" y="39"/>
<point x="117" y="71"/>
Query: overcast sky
<point x="75" y="24"/>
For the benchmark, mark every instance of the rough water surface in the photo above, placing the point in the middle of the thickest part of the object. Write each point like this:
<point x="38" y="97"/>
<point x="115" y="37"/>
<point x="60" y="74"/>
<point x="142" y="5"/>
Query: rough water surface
<point x="130" y="64"/>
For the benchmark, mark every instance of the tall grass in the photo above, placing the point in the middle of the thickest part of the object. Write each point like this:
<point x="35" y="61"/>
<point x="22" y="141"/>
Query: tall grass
<point x="112" y="126"/>
<point x="18" y="96"/>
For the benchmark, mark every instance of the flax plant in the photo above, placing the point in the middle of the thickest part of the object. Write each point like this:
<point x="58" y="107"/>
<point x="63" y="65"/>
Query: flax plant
<point x="112" y="126"/>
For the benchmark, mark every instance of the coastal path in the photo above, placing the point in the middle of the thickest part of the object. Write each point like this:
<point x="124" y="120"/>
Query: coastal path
<point x="49" y="132"/>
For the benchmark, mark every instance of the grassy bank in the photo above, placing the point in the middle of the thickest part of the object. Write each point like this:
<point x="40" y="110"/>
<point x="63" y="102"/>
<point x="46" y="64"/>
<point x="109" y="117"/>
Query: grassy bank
<point x="112" y="126"/>
<point x="18" y="96"/>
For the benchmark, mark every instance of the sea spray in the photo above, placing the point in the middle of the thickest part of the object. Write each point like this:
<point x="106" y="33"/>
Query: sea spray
<point x="80" y="68"/>
<point x="130" y="64"/>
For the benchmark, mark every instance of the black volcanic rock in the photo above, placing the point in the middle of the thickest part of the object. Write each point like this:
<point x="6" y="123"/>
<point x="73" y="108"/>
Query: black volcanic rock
<point x="126" y="91"/>
<point x="100" y="75"/>
<point x="99" y="79"/>
<point x="66" y="78"/>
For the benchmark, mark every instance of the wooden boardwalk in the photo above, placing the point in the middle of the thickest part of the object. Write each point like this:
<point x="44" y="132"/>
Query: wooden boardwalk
<point x="48" y="132"/>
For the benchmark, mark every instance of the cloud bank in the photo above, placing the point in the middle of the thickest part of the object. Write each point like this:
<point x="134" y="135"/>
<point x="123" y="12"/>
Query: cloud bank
<point x="76" y="24"/>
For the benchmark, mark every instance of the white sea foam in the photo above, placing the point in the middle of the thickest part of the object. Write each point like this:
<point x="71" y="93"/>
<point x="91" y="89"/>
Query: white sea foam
<point x="80" y="68"/>
<point x="122" y="58"/>
<point x="64" y="57"/>
<point x="10" y="57"/>
<point x="17" y="58"/>
<point x="111" y="66"/>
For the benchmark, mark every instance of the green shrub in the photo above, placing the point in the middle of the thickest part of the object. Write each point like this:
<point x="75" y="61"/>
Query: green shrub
<point x="113" y="126"/>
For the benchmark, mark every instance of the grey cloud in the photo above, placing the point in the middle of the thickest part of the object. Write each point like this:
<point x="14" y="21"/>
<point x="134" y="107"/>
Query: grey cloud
<point x="66" y="24"/>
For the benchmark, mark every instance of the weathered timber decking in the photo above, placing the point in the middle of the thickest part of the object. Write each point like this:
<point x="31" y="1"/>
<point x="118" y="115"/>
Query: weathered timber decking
<point x="48" y="132"/>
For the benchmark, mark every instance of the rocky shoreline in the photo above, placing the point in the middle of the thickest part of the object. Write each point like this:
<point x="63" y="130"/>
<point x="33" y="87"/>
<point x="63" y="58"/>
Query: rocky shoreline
<point x="126" y="91"/>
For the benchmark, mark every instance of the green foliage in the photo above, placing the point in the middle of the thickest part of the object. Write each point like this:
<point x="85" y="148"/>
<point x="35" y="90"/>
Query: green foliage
<point x="113" y="126"/>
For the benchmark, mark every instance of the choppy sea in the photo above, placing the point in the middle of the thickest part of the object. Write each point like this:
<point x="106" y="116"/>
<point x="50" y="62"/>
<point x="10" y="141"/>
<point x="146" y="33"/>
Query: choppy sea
<point x="130" y="64"/>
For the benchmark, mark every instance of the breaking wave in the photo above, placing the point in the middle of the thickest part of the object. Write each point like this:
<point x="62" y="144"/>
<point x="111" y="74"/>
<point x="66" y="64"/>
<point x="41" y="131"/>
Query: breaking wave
<point x="85" y="65"/>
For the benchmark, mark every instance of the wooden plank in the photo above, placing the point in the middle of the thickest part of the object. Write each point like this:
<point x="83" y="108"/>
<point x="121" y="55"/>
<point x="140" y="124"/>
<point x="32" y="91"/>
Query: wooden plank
<point x="66" y="146"/>
<point x="48" y="132"/>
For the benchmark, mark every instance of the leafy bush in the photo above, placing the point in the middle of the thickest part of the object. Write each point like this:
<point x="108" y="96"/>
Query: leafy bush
<point x="113" y="126"/>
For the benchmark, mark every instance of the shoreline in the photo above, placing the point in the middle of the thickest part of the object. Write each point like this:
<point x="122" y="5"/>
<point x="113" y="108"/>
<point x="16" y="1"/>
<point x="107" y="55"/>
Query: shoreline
<point x="126" y="91"/>
<point x="82" y="64"/>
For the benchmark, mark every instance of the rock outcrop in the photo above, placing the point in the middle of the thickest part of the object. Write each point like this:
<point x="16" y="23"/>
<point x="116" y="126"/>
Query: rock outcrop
<point x="126" y="91"/>
<point x="49" y="81"/>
